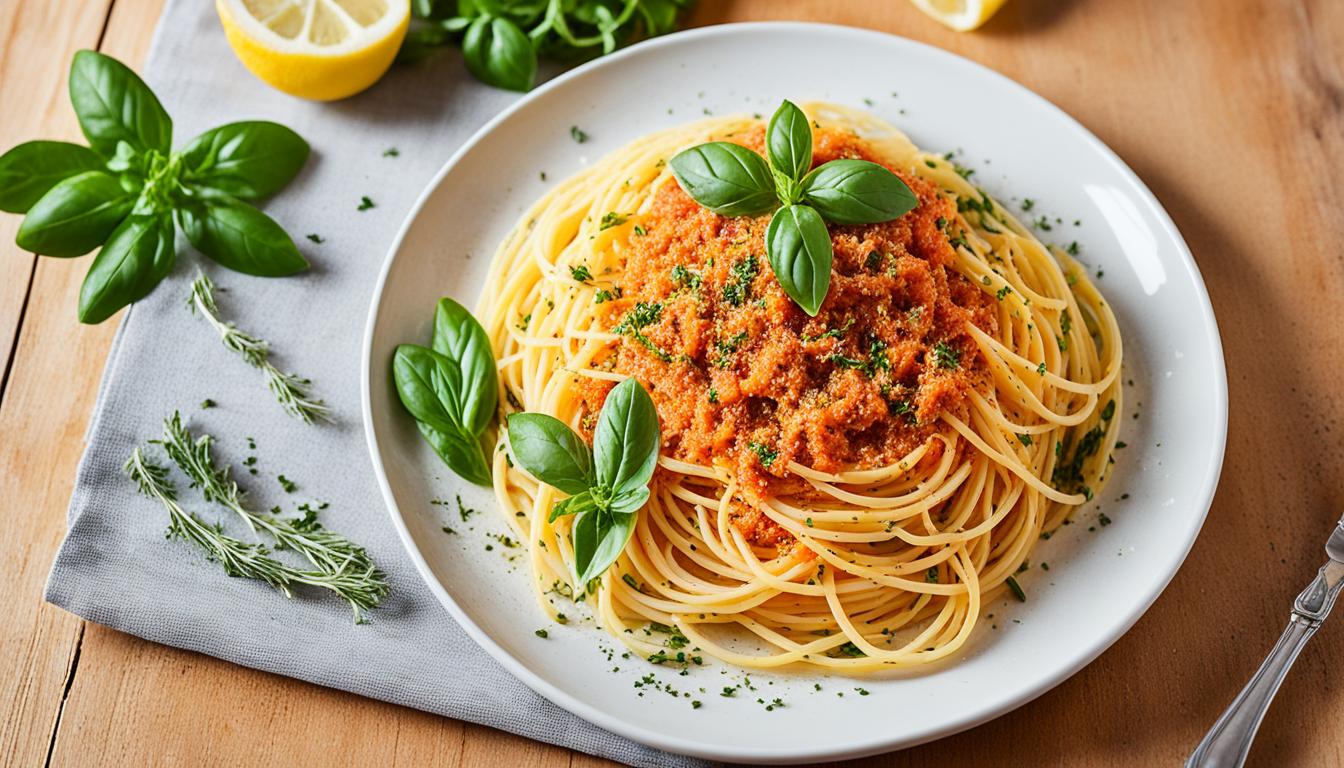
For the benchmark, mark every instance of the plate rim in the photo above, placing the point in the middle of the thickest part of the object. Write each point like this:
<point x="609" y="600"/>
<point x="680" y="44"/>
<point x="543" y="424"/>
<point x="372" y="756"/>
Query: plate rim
<point x="855" y="749"/>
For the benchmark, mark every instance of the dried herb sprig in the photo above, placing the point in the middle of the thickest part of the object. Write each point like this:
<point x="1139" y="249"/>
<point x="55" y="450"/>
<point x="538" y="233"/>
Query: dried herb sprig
<point x="239" y="558"/>
<point x="290" y="390"/>
<point x="328" y="551"/>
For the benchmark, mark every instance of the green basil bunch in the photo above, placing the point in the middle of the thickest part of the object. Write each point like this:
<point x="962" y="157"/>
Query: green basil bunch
<point x="731" y="180"/>
<point x="499" y="52"/>
<point x="129" y="192"/>
<point x="452" y="389"/>
<point x="608" y="484"/>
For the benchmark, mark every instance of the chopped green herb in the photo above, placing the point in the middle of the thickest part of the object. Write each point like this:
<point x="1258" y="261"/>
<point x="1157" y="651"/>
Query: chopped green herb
<point x="764" y="453"/>
<point x="613" y="219"/>
<point x="946" y="355"/>
<point x="636" y="320"/>
<point x="287" y="484"/>
<point x="743" y="272"/>
<point x="207" y="403"/>
<point x="1016" y="589"/>
<point x="728" y="348"/>
<point x="1024" y="439"/>
<point x="577" y="135"/>
<point x="850" y="649"/>
<point x="684" y="278"/>
<point x="316" y="238"/>
<point x="581" y="274"/>
<point x="391" y="152"/>
<point x="832" y="333"/>
<point x="543" y="634"/>
<point x="365" y="203"/>
<point x="1028" y="204"/>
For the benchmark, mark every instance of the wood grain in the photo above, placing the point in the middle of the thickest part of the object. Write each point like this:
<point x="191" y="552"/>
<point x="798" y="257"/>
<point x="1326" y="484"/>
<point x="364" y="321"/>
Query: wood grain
<point x="39" y="428"/>
<point x="36" y="43"/>
<point x="1233" y="112"/>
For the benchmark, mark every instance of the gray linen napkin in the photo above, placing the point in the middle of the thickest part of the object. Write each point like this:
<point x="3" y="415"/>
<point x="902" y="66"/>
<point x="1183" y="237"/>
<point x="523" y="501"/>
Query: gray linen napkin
<point x="115" y="567"/>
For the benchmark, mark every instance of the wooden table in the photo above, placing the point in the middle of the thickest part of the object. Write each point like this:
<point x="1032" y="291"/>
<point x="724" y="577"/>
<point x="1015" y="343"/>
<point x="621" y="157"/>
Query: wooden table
<point x="1231" y="110"/>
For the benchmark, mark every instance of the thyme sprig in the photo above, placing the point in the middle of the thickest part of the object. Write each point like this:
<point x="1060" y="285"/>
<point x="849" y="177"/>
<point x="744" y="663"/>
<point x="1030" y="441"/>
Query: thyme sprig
<point x="239" y="558"/>
<point x="328" y="551"/>
<point x="289" y="389"/>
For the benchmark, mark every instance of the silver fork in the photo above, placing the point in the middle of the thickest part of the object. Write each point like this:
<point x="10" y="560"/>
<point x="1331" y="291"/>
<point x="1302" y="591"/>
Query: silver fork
<point x="1228" y="742"/>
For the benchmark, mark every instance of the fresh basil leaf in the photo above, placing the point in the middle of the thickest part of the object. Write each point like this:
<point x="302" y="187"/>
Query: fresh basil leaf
<point x="30" y="170"/>
<point x="247" y="160"/>
<point x="498" y="53"/>
<point x="789" y="141"/>
<point x="429" y="386"/>
<point x="599" y="538"/>
<point x="240" y="237"/>
<point x="857" y="192"/>
<point x="75" y="216"/>
<point x="726" y="178"/>
<point x="573" y="505"/>
<point x="629" y="502"/>
<point x="550" y="451"/>
<point x="135" y="258"/>
<point x="627" y="439"/>
<point x="799" y="248"/>
<point x="113" y="104"/>
<point x="462" y="453"/>
<point x="459" y="337"/>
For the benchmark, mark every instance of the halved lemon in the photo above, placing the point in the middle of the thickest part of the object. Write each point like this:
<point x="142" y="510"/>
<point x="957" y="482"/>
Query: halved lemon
<point x="316" y="49"/>
<point x="961" y="15"/>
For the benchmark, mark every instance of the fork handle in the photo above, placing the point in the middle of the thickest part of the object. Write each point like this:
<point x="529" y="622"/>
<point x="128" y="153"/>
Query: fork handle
<point x="1229" y="741"/>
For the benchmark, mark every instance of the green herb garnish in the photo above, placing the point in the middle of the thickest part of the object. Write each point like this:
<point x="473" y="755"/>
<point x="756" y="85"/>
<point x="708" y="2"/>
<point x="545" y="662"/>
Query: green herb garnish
<point x="451" y="389"/>
<point x="1016" y="589"/>
<point x="946" y="355"/>
<point x="607" y="484"/>
<point x="128" y="192"/>
<point x="764" y="453"/>
<point x="732" y="180"/>
<point x="289" y="389"/>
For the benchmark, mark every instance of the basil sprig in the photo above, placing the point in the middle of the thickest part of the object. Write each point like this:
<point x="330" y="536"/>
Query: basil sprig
<point x="452" y="389"/>
<point x="502" y="39"/>
<point x="128" y="192"/>
<point x="731" y="180"/>
<point x="607" y="484"/>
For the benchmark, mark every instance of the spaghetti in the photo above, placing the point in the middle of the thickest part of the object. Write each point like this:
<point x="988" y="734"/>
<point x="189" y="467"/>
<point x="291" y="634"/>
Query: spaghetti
<point x="844" y="491"/>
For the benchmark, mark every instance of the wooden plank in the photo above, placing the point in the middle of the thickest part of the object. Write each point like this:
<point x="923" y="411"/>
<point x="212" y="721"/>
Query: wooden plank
<point x="36" y="44"/>
<point x="1230" y="111"/>
<point x="137" y="703"/>
<point x="40" y="431"/>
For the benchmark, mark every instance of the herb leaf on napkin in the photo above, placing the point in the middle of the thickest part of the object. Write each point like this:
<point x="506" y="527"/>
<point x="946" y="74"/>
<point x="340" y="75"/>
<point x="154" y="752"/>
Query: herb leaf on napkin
<point x="129" y="192"/>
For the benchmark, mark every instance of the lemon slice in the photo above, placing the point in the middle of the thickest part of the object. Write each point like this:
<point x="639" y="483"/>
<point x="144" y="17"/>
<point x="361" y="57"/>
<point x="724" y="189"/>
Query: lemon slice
<point x="961" y="15"/>
<point x="316" y="49"/>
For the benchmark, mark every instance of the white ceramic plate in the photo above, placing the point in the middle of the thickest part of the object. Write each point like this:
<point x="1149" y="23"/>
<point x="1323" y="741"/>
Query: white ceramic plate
<point x="1100" y="581"/>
